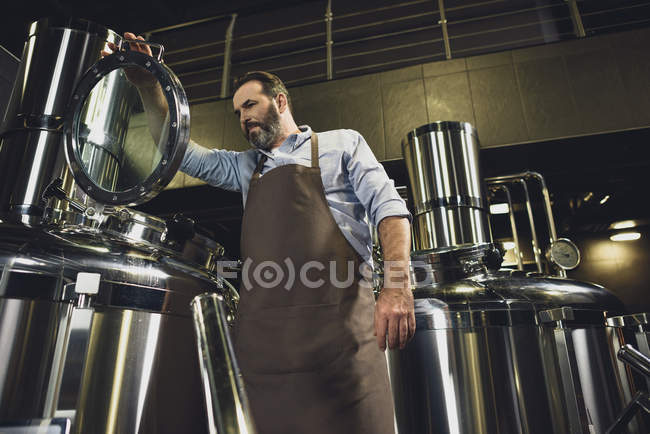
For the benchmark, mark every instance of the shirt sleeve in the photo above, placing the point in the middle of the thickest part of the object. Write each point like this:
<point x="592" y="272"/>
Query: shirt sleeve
<point x="371" y="184"/>
<point x="217" y="167"/>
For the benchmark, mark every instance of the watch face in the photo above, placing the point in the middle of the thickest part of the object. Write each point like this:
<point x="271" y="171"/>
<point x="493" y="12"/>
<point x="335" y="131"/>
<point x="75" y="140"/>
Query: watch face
<point x="564" y="254"/>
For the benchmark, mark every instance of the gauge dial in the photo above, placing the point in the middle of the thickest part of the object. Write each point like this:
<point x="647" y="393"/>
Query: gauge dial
<point x="564" y="254"/>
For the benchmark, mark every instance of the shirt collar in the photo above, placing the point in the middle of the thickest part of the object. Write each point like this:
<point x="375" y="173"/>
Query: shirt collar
<point x="293" y="142"/>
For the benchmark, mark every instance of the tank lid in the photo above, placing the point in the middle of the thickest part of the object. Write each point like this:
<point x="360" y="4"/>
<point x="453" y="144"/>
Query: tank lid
<point x="69" y="23"/>
<point x="126" y="128"/>
<point x="440" y="126"/>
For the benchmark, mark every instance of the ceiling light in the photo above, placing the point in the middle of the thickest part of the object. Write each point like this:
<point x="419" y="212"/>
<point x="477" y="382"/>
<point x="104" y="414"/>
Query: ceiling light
<point x="623" y="224"/>
<point x="499" y="208"/>
<point x="625" y="236"/>
<point x="604" y="199"/>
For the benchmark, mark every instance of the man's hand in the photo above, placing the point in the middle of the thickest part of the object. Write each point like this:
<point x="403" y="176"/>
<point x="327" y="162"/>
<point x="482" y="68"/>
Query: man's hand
<point x="394" y="316"/>
<point x="136" y="75"/>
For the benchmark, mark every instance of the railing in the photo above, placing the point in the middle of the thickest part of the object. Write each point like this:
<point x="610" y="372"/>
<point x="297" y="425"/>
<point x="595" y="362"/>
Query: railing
<point x="331" y="39"/>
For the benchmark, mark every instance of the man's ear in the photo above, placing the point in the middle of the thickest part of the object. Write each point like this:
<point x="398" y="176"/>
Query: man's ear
<point x="282" y="102"/>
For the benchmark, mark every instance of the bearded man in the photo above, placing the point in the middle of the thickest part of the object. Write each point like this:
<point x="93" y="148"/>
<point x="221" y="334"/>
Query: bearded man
<point x="306" y="349"/>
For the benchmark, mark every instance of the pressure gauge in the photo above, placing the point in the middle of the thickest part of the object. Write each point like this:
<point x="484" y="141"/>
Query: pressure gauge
<point x="564" y="254"/>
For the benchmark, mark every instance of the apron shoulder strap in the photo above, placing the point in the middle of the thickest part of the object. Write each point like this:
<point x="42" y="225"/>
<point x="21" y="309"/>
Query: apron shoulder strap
<point x="314" y="150"/>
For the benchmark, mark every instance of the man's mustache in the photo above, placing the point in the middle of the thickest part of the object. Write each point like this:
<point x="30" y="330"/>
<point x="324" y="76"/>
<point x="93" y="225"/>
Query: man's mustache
<point x="250" y="125"/>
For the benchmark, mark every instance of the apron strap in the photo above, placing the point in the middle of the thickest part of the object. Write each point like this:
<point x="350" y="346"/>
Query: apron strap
<point x="260" y="165"/>
<point x="314" y="150"/>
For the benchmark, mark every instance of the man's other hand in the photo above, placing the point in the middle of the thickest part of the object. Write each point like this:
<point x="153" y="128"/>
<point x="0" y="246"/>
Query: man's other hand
<point x="394" y="315"/>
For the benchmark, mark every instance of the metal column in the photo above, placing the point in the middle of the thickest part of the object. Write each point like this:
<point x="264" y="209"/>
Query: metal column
<point x="443" y="26"/>
<point x="227" y="53"/>
<point x="578" y="28"/>
<point x="329" y="42"/>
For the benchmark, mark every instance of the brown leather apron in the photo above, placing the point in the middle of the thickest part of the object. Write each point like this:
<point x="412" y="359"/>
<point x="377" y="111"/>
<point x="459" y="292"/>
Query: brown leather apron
<point x="308" y="356"/>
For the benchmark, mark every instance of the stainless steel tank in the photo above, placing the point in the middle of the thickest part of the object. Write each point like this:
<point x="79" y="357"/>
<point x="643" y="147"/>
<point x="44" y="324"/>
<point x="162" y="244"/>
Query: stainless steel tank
<point x="495" y="351"/>
<point x="57" y="52"/>
<point x="95" y="319"/>
<point x="449" y="205"/>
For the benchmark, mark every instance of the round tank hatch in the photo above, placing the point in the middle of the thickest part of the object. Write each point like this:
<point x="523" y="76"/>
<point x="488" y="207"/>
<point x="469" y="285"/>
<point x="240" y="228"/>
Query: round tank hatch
<point x="127" y="128"/>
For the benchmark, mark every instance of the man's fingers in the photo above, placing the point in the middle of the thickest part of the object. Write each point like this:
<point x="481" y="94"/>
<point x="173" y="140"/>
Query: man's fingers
<point x="380" y="330"/>
<point x="393" y="332"/>
<point x="411" y="322"/>
<point x="403" y="331"/>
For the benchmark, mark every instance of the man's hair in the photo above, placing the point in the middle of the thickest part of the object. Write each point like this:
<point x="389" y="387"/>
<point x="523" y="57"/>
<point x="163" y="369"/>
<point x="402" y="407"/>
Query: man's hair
<point x="271" y="84"/>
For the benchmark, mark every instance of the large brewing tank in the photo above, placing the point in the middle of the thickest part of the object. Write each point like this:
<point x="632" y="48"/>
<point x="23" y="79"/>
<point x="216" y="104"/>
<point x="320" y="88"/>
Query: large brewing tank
<point x="95" y="318"/>
<point x="495" y="351"/>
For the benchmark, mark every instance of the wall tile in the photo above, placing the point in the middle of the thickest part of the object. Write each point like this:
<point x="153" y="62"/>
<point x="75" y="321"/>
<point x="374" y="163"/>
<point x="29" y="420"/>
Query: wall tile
<point x="207" y="123"/>
<point x="404" y="109"/>
<point x="489" y="60"/>
<point x="631" y="56"/>
<point x="362" y="111"/>
<point x="559" y="49"/>
<point x="401" y="75"/>
<point x="233" y="137"/>
<point x="497" y="106"/>
<point x="443" y="67"/>
<point x="598" y="91"/>
<point x="449" y="98"/>
<point x="318" y="110"/>
<point x="549" y="108"/>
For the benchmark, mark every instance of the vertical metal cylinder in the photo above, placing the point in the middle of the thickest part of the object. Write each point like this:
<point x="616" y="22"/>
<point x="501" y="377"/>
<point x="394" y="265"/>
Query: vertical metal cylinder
<point x="450" y="209"/>
<point x="226" y="401"/>
<point x="329" y="42"/>
<point x="56" y="54"/>
<point x="227" y="56"/>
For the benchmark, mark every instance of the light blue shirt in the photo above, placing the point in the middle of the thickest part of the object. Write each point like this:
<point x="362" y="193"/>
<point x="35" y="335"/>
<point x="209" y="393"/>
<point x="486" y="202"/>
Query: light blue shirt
<point x="357" y="189"/>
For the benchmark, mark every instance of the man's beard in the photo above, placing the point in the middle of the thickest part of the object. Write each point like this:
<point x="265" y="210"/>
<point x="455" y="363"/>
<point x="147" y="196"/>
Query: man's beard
<point x="269" y="130"/>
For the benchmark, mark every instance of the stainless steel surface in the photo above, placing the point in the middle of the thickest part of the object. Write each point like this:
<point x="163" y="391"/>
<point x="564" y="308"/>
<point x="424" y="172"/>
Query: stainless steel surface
<point x="227" y="54"/>
<point x="447" y="188"/>
<point x="56" y="53"/>
<point x="496" y="351"/>
<point x="479" y="361"/>
<point x="140" y="375"/>
<point x="226" y="401"/>
<point x="30" y="360"/>
<point x="141" y="291"/>
<point x="95" y="319"/>
<point x="595" y="386"/>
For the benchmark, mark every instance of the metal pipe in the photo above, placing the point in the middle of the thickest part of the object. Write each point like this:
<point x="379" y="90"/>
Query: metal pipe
<point x="550" y="221"/>
<point x="513" y="225"/>
<point x="443" y="25"/>
<point x="225" y="75"/>
<point x="225" y="397"/>
<point x="531" y="221"/>
<point x="329" y="42"/>
<point x="636" y="359"/>
<point x="578" y="27"/>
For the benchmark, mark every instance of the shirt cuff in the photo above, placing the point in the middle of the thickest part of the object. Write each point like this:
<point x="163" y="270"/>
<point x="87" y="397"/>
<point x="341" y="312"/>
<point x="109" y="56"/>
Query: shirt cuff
<point x="397" y="209"/>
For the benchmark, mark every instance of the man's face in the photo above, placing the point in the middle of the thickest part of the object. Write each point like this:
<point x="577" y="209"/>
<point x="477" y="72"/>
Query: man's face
<point x="258" y="116"/>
